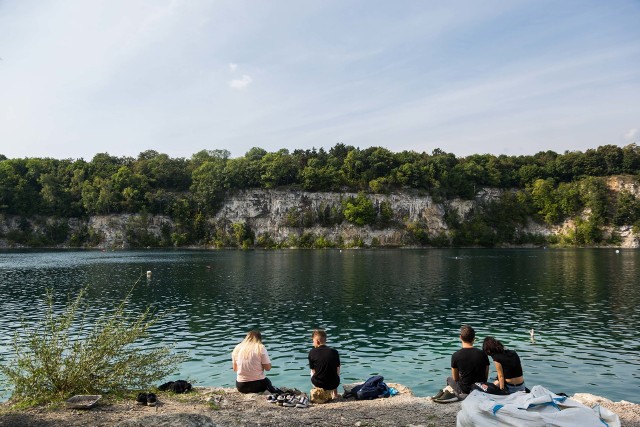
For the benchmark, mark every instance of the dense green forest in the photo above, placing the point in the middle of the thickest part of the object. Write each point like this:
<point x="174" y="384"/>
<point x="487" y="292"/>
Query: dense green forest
<point x="547" y="186"/>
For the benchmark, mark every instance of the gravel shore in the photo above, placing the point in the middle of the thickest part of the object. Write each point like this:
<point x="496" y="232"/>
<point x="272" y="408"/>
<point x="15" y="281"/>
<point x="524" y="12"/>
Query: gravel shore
<point x="206" y="406"/>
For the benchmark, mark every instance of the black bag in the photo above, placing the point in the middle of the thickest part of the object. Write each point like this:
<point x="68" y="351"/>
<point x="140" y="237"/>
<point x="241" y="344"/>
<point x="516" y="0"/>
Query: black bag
<point x="180" y="386"/>
<point x="372" y="388"/>
<point x="489" y="388"/>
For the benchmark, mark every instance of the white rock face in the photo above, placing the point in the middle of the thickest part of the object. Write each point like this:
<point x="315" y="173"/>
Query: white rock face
<point x="267" y="212"/>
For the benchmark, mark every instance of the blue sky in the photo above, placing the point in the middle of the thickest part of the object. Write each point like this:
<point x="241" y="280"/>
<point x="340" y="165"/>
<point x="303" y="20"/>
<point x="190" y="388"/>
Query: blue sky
<point x="514" y="77"/>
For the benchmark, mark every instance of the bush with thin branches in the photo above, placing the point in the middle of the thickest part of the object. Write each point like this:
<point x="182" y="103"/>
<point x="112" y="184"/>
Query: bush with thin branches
<point x="63" y="354"/>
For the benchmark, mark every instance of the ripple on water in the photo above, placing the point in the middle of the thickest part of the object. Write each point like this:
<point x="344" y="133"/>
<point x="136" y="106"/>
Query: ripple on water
<point x="396" y="313"/>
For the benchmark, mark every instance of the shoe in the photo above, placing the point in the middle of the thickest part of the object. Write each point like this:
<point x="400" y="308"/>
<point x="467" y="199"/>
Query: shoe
<point x="280" y="400"/>
<point x="438" y="395"/>
<point x="291" y="402"/>
<point x="141" y="399"/>
<point x="447" y="397"/>
<point x="272" y="398"/>
<point x="303" y="402"/>
<point x="151" y="399"/>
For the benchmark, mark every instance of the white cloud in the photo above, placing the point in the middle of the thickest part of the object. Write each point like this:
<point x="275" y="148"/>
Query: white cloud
<point x="241" y="83"/>
<point x="632" y="135"/>
<point x="232" y="67"/>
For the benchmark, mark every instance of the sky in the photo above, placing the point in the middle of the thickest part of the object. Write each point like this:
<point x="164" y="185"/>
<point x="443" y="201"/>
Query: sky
<point x="514" y="77"/>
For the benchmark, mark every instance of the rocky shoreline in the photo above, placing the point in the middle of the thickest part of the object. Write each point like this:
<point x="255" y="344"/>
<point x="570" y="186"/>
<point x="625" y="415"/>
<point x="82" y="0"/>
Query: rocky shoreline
<point x="212" y="406"/>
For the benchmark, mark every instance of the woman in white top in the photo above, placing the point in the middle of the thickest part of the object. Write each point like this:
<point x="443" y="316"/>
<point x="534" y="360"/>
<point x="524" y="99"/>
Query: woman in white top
<point x="250" y="360"/>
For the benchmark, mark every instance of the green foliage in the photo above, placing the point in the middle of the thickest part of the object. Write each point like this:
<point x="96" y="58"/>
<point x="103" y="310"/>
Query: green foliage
<point x="265" y="241"/>
<point x="418" y="232"/>
<point x="189" y="191"/>
<point x="594" y="194"/>
<point x="208" y="184"/>
<point x="243" y="234"/>
<point x="327" y="215"/>
<point x="298" y="218"/>
<point x="359" y="210"/>
<point x="85" y="236"/>
<point x="585" y="232"/>
<point x="475" y="232"/>
<point x="385" y="213"/>
<point x="356" y="242"/>
<point x="627" y="209"/>
<point x="322" y="242"/>
<point x="278" y="169"/>
<point x="137" y="232"/>
<point x="64" y="354"/>
<point x="545" y="200"/>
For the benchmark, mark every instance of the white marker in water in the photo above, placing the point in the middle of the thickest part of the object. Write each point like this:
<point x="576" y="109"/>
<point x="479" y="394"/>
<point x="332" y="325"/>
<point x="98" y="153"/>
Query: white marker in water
<point x="532" y="333"/>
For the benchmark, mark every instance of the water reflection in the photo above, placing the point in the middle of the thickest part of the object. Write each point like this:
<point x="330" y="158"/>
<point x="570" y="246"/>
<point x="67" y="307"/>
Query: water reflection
<point x="395" y="313"/>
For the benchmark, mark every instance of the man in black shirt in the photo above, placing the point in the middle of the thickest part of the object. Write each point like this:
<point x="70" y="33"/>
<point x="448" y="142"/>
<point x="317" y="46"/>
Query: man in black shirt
<point x="325" y="368"/>
<point x="468" y="365"/>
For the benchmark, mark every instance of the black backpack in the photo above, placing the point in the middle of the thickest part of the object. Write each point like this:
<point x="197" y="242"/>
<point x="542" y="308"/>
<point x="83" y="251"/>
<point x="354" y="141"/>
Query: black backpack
<point x="180" y="386"/>
<point x="372" y="388"/>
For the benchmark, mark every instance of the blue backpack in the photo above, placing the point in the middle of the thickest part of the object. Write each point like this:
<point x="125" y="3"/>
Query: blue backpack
<point x="372" y="388"/>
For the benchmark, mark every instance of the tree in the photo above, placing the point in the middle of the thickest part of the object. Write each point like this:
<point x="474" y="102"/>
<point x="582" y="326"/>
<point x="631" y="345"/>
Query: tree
<point x="627" y="209"/>
<point x="8" y="182"/>
<point x="545" y="200"/>
<point x="208" y="184"/>
<point x="278" y="169"/>
<point x="66" y="354"/>
<point x="130" y="189"/>
<point x="242" y="173"/>
<point x="359" y="210"/>
<point x="594" y="194"/>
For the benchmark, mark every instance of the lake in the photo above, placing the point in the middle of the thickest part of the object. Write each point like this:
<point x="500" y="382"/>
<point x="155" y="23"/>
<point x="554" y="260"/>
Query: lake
<point x="396" y="313"/>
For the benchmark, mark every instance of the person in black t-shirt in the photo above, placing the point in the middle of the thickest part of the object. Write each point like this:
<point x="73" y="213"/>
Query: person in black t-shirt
<point x="508" y="366"/>
<point x="324" y="362"/>
<point x="468" y="366"/>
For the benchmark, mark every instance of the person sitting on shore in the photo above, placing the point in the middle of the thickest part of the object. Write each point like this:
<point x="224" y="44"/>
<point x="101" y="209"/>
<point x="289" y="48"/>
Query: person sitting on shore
<point x="508" y="367"/>
<point x="324" y="362"/>
<point x="468" y="366"/>
<point x="250" y="359"/>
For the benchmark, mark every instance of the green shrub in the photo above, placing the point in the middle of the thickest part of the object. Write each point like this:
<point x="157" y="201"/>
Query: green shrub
<point x="359" y="210"/>
<point x="322" y="242"/>
<point x="243" y="234"/>
<point x="63" y="355"/>
<point x="265" y="241"/>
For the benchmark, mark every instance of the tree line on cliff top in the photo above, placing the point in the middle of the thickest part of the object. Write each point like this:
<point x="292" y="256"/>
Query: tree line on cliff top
<point x="548" y="186"/>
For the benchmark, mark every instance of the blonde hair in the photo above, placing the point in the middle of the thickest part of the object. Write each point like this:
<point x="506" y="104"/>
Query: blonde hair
<point x="251" y="345"/>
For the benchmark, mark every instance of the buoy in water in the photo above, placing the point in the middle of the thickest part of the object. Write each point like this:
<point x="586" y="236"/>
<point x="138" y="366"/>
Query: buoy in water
<point x="532" y="333"/>
<point x="617" y="251"/>
<point x="148" y="274"/>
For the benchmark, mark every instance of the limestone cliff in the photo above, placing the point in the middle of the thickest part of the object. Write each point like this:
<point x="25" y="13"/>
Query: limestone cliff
<point x="268" y="215"/>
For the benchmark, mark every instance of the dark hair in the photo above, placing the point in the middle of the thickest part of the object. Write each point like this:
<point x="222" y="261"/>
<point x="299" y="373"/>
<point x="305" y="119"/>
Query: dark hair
<point x="491" y="346"/>
<point x="321" y="334"/>
<point x="467" y="334"/>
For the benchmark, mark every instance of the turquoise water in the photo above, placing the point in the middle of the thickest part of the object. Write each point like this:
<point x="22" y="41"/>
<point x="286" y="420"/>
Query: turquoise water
<point x="389" y="312"/>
